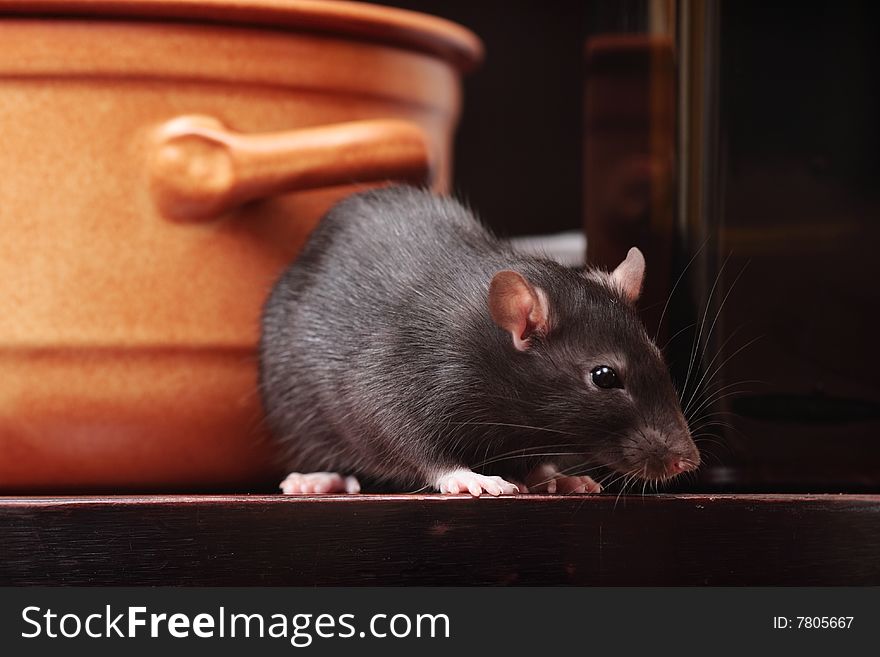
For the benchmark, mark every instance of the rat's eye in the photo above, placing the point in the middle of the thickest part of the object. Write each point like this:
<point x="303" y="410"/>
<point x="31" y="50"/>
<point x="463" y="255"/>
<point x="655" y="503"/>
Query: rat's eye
<point x="604" y="377"/>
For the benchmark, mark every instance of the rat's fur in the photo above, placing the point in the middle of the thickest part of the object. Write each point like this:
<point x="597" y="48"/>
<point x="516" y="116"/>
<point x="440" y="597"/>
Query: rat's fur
<point x="379" y="356"/>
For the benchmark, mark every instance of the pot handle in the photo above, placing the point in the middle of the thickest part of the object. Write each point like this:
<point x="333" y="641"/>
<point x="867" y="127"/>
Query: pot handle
<point x="199" y="169"/>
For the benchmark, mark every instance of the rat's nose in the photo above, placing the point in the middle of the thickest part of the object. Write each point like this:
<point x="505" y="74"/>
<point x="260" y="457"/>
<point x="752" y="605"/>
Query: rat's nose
<point x="677" y="464"/>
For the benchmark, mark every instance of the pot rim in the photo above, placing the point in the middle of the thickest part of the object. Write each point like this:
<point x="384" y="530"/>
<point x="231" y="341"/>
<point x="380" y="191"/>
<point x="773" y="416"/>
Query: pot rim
<point x="398" y="27"/>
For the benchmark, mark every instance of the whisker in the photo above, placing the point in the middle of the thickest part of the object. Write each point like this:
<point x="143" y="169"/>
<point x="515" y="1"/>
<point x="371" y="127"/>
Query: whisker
<point x="513" y="426"/>
<point x="727" y="360"/>
<point x="733" y="355"/>
<point x="676" y="334"/>
<point x="698" y="336"/>
<point x="708" y="368"/>
<point x="721" y="308"/>
<point x="675" y="287"/>
<point x="510" y="457"/>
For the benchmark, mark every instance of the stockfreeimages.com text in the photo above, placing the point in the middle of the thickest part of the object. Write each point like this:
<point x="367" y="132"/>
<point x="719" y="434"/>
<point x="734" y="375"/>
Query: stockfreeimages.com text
<point x="299" y="629"/>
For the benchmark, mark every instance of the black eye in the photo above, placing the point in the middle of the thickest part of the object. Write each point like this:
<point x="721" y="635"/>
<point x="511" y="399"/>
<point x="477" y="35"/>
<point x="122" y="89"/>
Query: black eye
<point x="604" y="377"/>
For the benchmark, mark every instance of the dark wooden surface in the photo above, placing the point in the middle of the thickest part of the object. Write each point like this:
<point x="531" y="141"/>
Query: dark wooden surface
<point x="404" y="540"/>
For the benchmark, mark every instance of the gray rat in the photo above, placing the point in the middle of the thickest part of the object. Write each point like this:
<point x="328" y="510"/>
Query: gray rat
<point x="408" y="347"/>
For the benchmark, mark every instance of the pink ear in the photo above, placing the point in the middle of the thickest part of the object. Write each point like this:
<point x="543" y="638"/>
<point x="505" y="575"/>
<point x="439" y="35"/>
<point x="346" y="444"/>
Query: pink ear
<point x="629" y="275"/>
<point x="517" y="307"/>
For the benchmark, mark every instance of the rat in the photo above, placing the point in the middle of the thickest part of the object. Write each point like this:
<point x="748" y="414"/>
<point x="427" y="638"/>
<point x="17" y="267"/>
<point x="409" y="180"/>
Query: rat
<point x="409" y="347"/>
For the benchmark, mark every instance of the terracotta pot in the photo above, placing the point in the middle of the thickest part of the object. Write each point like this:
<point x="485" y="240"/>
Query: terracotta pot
<point x="161" y="162"/>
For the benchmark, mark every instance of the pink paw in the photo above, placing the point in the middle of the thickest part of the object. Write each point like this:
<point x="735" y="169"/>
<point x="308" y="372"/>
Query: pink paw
<point x="582" y="485"/>
<point x="465" y="481"/>
<point x="318" y="483"/>
<point x="547" y="479"/>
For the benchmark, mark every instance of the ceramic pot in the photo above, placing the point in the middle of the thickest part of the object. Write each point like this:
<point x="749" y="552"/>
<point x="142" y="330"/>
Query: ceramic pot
<point x="162" y="161"/>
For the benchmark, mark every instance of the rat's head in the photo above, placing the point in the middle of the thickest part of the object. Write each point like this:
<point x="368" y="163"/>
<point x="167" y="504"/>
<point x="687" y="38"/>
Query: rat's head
<point x="593" y="375"/>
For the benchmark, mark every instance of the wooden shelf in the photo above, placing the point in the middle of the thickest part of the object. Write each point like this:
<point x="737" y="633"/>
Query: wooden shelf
<point x="246" y="540"/>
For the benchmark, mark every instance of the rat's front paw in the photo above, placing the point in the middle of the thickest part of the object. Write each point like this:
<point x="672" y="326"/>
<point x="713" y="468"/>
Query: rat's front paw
<point x="547" y="479"/>
<point x="574" y="485"/>
<point x="318" y="483"/>
<point x="465" y="481"/>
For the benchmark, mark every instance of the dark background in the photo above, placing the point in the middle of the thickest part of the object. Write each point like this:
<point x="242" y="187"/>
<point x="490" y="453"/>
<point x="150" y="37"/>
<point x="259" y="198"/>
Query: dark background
<point x="518" y="148"/>
<point x="798" y="212"/>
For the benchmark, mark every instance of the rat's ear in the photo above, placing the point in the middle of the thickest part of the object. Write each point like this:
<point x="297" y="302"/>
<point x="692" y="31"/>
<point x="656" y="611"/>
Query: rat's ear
<point x="629" y="275"/>
<point x="517" y="307"/>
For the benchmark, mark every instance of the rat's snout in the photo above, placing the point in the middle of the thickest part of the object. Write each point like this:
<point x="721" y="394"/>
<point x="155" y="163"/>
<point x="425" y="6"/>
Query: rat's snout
<point x="675" y="465"/>
<point x="658" y="455"/>
<point x="682" y="456"/>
